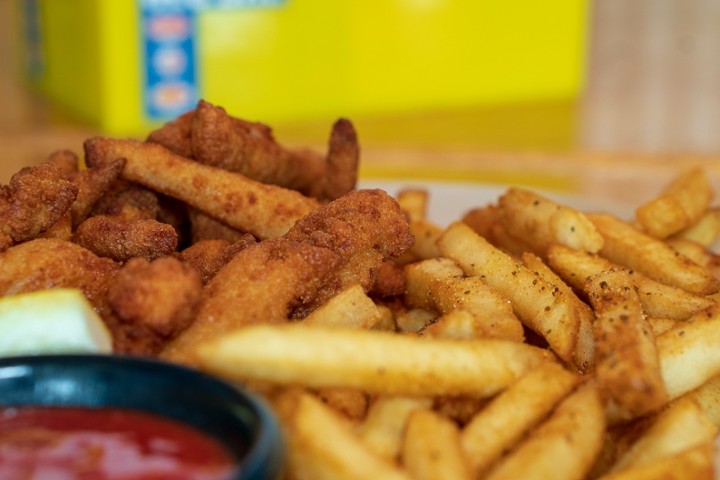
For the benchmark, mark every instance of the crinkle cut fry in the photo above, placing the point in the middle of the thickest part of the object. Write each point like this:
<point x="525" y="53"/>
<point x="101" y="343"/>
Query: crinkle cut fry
<point x="264" y="210"/>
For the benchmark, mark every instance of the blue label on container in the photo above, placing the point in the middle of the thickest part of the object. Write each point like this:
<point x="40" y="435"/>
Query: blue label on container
<point x="169" y="41"/>
<point x="32" y="30"/>
<point x="171" y="84"/>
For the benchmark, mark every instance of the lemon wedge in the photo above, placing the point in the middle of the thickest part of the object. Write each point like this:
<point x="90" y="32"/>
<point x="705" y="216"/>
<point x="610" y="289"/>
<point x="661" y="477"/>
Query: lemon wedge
<point x="51" y="321"/>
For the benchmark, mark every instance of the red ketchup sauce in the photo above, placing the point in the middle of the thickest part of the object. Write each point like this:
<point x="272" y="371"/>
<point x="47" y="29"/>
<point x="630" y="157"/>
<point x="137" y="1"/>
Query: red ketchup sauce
<point x="105" y="444"/>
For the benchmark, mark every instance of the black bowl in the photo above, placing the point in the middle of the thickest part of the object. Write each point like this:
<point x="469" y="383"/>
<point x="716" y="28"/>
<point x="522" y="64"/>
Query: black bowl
<point x="235" y="417"/>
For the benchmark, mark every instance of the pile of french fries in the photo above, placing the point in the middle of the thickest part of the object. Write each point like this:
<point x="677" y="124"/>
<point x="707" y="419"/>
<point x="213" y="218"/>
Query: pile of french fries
<point x="534" y="340"/>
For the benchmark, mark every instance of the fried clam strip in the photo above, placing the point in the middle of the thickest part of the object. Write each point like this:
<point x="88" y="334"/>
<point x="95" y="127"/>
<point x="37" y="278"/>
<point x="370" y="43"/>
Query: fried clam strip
<point x="539" y="304"/>
<point x="152" y="302"/>
<point x="260" y="284"/>
<point x="122" y="240"/>
<point x="264" y="210"/>
<point x="339" y="245"/>
<point x="34" y="200"/>
<point x="93" y="184"/>
<point x="365" y="227"/>
<point x="658" y="300"/>
<point x="51" y="263"/>
<point x="249" y="148"/>
<point x="175" y="135"/>
<point x="629" y="247"/>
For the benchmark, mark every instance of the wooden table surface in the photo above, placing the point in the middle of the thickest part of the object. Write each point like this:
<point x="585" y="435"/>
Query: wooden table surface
<point x="537" y="144"/>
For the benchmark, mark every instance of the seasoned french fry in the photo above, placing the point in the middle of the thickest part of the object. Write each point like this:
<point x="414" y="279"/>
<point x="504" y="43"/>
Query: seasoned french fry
<point x="661" y="325"/>
<point x="258" y="208"/>
<point x="431" y="450"/>
<point x="633" y="249"/>
<point x="705" y="231"/>
<point x="414" y="319"/>
<point x="681" y="426"/>
<point x="384" y="426"/>
<point x="349" y="308"/>
<point x="501" y="424"/>
<point x="564" y="446"/>
<point x="658" y="300"/>
<point x="682" y="204"/>
<point x="626" y="367"/>
<point x="414" y="202"/>
<point x="690" y="353"/>
<point x="541" y="222"/>
<point x="372" y="361"/>
<point x="539" y="304"/>
<point x="696" y="463"/>
<point x="707" y="397"/>
<point x="584" y="356"/>
<point x="426" y="234"/>
<point x="335" y="453"/>
<point x="440" y="284"/>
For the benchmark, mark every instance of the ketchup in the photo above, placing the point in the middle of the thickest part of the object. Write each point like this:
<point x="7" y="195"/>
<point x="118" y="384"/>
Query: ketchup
<point x="105" y="444"/>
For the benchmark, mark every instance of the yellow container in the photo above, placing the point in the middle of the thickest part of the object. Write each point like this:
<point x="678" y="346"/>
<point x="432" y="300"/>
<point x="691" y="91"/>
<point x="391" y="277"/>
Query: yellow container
<point x="126" y="65"/>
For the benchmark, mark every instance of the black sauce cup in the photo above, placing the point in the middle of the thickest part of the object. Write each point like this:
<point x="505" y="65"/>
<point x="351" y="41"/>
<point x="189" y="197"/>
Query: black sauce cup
<point x="239" y="420"/>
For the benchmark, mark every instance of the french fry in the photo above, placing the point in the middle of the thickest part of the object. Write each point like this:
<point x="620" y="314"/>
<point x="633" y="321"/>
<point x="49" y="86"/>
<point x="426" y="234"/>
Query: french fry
<point x="707" y="397"/>
<point x="414" y="320"/>
<point x="562" y="447"/>
<point x="696" y="463"/>
<point x="335" y="453"/>
<point x="584" y="356"/>
<point x="372" y="361"/>
<point x="705" y="231"/>
<point x="626" y="366"/>
<point x="349" y="308"/>
<point x="414" y="202"/>
<point x="541" y="222"/>
<point x="658" y="300"/>
<point x="499" y="426"/>
<point x="431" y="450"/>
<point x="680" y="205"/>
<point x="440" y="284"/>
<point x="384" y="426"/>
<point x="681" y="426"/>
<point x="258" y="208"/>
<point x="690" y="353"/>
<point x="540" y="305"/>
<point x="635" y="250"/>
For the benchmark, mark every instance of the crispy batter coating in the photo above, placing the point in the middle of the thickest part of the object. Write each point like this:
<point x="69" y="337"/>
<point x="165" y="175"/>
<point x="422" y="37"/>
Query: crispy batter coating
<point x="121" y="240"/>
<point x="36" y="198"/>
<point x="250" y="149"/>
<point x="365" y="227"/>
<point x="154" y="300"/>
<point x="66" y="160"/>
<point x="389" y="280"/>
<point x="129" y="201"/>
<point x="42" y="264"/>
<point x="176" y="135"/>
<point x="205" y="227"/>
<point x="93" y="183"/>
<point x="341" y="244"/>
<point x="62" y="229"/>
<point x="264" y="210"/>
<point x="343" y="158"/>
<point x="207" y="257"/>
<point x="259" y="285"/>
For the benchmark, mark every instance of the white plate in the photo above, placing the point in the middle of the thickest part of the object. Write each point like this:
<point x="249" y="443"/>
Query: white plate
<point x="450" y="200"/>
